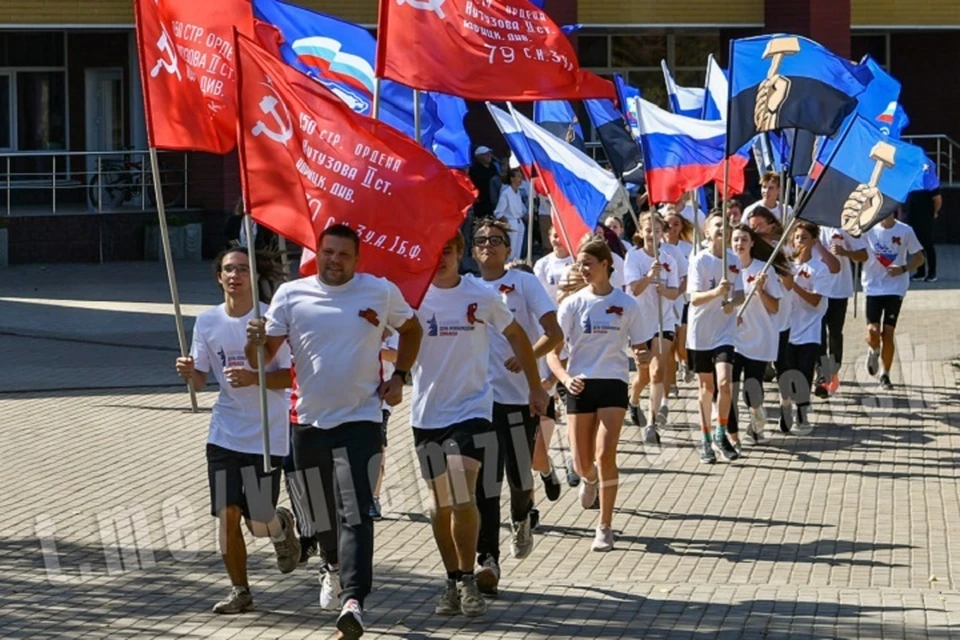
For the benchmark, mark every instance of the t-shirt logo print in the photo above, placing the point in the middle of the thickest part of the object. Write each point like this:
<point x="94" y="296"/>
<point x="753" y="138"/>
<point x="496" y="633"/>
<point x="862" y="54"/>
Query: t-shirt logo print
<point x="896" y="240"/>
<point x="472" y="313"/>
<point x="751" y="278"/>
<point x="370" y="316"/>
<point x="617" y="311"/>
<point x="433" y="327"/>
<point x="507" y="288"/>
<point x="223" y="356"/>
<point x="734" y="268"/>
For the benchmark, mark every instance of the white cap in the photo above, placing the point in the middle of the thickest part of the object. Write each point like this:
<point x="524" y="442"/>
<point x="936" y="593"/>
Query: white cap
<point x="482" y="150"/>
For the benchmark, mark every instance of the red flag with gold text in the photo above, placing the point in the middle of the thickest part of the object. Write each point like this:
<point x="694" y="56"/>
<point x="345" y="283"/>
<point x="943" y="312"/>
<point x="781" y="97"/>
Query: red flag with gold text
<point x="308" y="161"/>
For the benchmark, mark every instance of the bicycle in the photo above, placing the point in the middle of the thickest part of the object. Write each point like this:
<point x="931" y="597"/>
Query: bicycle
<point x="120" y="181"/>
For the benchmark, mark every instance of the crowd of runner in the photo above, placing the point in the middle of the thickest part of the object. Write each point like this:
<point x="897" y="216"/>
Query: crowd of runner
<point x="604" y="335"/>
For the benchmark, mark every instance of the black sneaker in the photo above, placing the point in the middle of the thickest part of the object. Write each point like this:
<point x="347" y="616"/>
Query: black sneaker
<point x="917" y="278"/>
<point x="770" y="373"/>
<point x="931" y="279"/>
<point x="706" y="454"/>
<point x="786" y="418"/>
<point x="534" y="519"/>
<point x="885" y="383"/>
<point x="636" y="414"/>
<point x="551" y="485"/>
<point x="573" y="480"/>
<point x="725" y="449"/>
<point x="308" y="548"/>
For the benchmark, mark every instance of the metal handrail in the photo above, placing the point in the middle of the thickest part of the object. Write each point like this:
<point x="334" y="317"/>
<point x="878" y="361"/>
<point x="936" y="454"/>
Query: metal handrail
<point x="62" y="179"/>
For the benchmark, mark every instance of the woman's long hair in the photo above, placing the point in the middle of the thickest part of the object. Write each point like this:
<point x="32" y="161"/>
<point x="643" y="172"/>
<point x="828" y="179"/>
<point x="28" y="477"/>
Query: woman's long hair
<point x="762" y="250"/>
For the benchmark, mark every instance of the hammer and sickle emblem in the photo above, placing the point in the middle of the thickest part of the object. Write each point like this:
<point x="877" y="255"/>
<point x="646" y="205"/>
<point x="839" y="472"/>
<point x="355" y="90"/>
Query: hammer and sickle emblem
<point x="269" y="105"/>
<point x="165" y="45"/>
<point x="425" y="5"/>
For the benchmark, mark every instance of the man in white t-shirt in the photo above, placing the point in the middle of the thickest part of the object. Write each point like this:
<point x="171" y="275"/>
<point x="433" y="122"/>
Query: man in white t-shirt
<point x="770" y="198"/>
<point x="892" y="252"/>
<point x="334" y="323"/>
<point x="239" y="486"/>
<point x="515" y="426"/>
<point x="513" y="210"/>
<point x="453" y="404"/>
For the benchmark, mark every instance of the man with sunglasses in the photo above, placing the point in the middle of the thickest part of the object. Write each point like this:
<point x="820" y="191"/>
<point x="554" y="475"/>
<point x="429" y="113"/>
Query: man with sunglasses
<point x="513" y="423"/>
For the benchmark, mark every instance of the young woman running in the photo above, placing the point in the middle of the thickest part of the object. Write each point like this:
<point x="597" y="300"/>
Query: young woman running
<point x="758" y="333"/>
<point x="598" y="323"/>
<point x="811" y="277"/>
<point x="651" y="276"/>
<point x="714" y="296"/>
<point x="678" y="233"/>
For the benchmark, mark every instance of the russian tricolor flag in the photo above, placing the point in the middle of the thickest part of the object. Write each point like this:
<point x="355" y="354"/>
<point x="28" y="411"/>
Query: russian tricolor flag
<point x="682" y="154"/>
<point x="686" y="101"/>
<point x="579" y="189"/>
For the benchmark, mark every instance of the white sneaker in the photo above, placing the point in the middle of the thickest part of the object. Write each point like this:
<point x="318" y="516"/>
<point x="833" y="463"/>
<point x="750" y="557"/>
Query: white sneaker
<point x="589" y="492"/>
<point x="603" y="540"/>
<point x="522" y="543"/>
<point x="329" y="588"/>
<point x="873" y="363"/>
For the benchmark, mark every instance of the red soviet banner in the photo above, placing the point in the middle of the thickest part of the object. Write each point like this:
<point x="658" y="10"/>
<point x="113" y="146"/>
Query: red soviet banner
<point x="187" y="69"/>
<point x="481" y="50"/>
<point x="308" y="161"/>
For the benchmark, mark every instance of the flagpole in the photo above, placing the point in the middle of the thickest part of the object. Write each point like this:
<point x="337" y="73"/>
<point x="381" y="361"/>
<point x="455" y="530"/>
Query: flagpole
<point x="766" y="267"/>
<point x="417" y="134"/>
<point x="696" y="220"/>
<point x="261" y="369"/>
<point x="375" y="109"/>
<point x="530" y="194"/>
<point x="654" y="223"/>
<point x="171" y="272"/>
<point x="726" y="223"/>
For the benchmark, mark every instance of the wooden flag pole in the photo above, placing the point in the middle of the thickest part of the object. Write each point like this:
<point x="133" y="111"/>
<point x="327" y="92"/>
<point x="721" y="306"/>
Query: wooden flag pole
<point x="261" y="368"/>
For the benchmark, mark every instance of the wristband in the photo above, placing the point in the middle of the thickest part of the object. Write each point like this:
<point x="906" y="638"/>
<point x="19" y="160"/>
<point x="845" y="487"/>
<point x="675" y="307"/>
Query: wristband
<point x="400" y="372"/>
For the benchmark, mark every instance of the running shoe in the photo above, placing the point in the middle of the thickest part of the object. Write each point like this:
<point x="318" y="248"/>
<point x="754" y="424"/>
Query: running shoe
<point x="573" y="480"/>
<point x="758" y="422"/>
<point x="931" y="279"/>
<point x="329" y="587"/>
<point x="534" y="519"/>
<point x="834" y="385"/>
<point x="488" y="576"/>
<point x="724" y="449"/>
<point x="675" y="391"/>
<point x="240" y="600"/>
<point x="603" y="539"/>
<point x="688" y="374"/>
<point x="706" y="454"/>
<point x="873" y="363"/>
<point x="917" y="278"/>
<point x="786" y="419"/>
<point x="521" y="543"/>
<point x="350" y="621"/>
<point x="738" y="447"/>
<point x="662" y="414"/>
<point x="308" y="548"/>
<point x="551" y="485"/>
<point x="288" y="549"/>
<point x="449" y="604"/>
<point x="472" y="603"/>
<point x="651" y="435"/>
<point x="885" y="383"/>
<point x="770" y="374"/>
<point x="820" y="389"/>
<point x="375" y="512"/>
<point x="589" y="493"/>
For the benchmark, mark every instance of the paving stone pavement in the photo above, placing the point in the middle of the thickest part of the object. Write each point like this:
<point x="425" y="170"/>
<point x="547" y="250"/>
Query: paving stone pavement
<point x="847" y="533"/>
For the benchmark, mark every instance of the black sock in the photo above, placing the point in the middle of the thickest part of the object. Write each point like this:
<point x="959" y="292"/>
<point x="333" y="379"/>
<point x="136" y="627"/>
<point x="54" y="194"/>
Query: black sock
<point x="454" y="575"/>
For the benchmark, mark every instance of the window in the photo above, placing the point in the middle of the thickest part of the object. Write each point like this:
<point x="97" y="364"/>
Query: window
<point x="637" y="50"/>
<point x="592" y="51"/>
<point x="32" y="49"/>
<point x="41" y="111"/>
<point x="692" y="50"/>
<point x="5" y="115"/>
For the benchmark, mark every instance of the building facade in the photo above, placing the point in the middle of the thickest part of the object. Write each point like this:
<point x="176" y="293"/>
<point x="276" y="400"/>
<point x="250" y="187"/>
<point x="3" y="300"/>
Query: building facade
<point x="70" y="95"/>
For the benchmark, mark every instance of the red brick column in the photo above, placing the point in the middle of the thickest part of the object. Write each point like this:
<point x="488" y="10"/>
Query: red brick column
<point x="826" y="21"/>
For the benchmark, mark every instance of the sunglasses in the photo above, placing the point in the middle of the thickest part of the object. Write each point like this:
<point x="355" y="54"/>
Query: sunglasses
<point x="242" y="269"/>
<point x="493" y="241"/>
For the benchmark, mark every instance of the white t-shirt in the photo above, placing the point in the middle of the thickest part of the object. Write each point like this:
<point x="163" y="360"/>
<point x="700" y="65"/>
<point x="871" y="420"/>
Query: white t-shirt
<point x="218" y="342"/>
<point x="888" y="248"/>
<point x="550" y="271"/>
<point x="510" y="206"/>
<point x="528" y="302"/>
<point x="682" y="252"/>
<point x="450" y="383"/>
<point x="806" y="320"/>
<point x="598" y="329"/>
<point x="638" y="264"/>
<point x="777" y="210"/>
<point x="687" y="212"/>
<point x="618" y="280"/>
<point x="841" y="284"/>
<point x="758" y="336"/>
<point x="709" y="326"/>
<point x="335" y="336"/>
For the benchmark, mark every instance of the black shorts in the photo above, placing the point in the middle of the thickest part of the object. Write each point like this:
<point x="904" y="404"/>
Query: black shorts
<point x="667" y="335"/>
<point x="598" y="393"/>
<point x="461" y="439"/>
<point x="705" y="361"/>
<point x="883" y="310"/>
<point x="386" y="419"/>
<point x="552" y="409"/>
<point x="237" y="480"/>
<point x="685" y="314"/>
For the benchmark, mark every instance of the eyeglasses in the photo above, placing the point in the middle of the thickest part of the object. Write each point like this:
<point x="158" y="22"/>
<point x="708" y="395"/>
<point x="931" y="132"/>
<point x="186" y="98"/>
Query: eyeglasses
<point x="241" y="269"/>
<point x="493" y="241"/>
